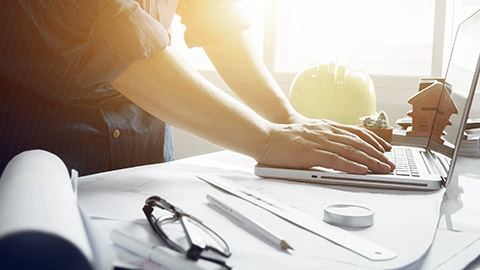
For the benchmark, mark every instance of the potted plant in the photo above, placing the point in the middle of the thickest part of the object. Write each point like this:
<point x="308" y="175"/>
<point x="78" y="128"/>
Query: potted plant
<point x="378" y="124"/>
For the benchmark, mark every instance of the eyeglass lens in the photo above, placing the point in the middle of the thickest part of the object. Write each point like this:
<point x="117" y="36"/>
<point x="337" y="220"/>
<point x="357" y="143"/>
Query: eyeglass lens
<point x="204" y="237"/>
<point x="189" y="232"/>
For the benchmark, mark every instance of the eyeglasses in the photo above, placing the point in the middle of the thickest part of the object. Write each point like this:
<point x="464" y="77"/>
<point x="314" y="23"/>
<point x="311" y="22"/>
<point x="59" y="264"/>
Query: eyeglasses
<point x="166" y="224"/>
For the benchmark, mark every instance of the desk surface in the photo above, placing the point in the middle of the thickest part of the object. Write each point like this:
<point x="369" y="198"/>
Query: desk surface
<point x="462" y="201"/>
<point x="461" y="205"/>
<point x="461" y="209"/>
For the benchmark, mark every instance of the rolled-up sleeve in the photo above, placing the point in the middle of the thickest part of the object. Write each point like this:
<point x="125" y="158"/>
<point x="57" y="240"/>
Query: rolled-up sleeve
<point x="97" y="39"/>
<point x="210" y="20"/>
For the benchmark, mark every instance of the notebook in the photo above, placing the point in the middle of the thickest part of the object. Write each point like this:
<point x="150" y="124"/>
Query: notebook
<point x="427" y="168"/>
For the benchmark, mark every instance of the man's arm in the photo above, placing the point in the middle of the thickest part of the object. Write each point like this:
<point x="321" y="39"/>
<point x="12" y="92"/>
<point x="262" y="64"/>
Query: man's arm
<point x="168" y="88"/>
<point x="236" y="60"/>
<point x="240" y="66"/>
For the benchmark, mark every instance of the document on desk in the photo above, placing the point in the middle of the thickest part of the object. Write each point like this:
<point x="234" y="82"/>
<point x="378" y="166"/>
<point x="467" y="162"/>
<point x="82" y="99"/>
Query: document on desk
<point x="39" y="213"/>
<point x="405" y="222"/>
<point x="335" y="234"/>
<point x="452" y="250"/>
<point x="158" y="254"/>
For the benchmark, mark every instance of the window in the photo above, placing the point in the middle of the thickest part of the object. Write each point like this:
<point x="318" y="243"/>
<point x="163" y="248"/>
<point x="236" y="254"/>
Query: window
<point x="382" y="36"/>
<point x="385" y="37"/>
<point x="396" y="41"/>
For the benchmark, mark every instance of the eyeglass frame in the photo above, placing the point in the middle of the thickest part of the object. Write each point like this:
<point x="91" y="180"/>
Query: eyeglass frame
<point x="194" y="252"/>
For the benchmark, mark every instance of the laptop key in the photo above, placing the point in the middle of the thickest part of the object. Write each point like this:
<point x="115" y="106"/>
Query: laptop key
<point x="404" y="162"/>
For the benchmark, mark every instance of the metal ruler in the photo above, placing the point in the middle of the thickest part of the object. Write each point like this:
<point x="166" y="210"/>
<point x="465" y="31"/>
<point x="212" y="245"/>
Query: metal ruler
<point x="334" y="234"/>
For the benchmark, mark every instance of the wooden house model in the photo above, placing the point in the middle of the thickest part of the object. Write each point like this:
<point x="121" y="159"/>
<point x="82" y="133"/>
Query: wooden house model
<point x="425" y="105"/>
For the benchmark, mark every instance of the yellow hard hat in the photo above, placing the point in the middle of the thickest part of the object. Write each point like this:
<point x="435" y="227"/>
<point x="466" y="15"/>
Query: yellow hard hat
<point x="337" y="91"/>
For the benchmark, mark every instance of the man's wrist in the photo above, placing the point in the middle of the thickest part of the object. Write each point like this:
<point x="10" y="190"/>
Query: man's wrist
<point x="295" y="117"/>
<point x="270" y="129"/>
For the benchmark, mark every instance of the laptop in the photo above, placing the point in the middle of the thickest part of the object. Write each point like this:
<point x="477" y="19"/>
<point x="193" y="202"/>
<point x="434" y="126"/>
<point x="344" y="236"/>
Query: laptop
<point x="428" y="168"/>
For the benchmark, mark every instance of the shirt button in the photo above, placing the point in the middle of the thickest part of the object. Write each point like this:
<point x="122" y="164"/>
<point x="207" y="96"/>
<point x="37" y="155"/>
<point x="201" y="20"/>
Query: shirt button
<point x="116" y="133"/>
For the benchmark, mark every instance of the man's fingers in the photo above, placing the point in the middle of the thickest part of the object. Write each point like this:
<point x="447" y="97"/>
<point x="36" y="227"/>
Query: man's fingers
<point x="366" y="135"/>
<point x="379" y="139"/>
<point x="352" y="148"/>
<point x="351" y="153"/>
<point x="337" y="162"/>
<point x="308" y="145"/>
<point x="347" y="143"/>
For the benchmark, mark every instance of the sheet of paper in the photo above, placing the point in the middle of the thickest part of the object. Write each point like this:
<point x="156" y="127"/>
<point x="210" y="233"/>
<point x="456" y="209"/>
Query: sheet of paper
<point x="36" y="195"/>
<point x="462" y="206"/>
<point x="405" y="222"/>
<point x="337" y="235"/>
<point x="452" y="250"/>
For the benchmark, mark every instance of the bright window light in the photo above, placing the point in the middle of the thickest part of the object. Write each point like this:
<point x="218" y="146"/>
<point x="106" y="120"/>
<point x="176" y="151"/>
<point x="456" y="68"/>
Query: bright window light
<point x="197" y="57"/>
<point x="381" y="36"/>
<point x="384" y="37"/>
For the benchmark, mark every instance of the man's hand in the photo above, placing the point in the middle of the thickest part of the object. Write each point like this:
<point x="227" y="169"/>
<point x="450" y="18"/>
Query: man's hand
<point x="363" y="133"/>
<point x="309" y="143"/>
<point x="294" y="141"/>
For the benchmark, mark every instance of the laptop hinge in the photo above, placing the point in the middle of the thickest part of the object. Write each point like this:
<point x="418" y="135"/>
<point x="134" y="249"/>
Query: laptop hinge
<point x="444" y="180"/>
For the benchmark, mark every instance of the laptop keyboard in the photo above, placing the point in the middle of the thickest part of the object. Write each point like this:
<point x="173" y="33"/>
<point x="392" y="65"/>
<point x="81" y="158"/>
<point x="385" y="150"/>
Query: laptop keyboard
<point x="404" y="162"/>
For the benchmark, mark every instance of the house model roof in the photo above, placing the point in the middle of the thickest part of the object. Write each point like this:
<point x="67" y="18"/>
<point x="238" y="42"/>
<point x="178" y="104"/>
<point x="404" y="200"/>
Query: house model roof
<point x="429" y="97"/>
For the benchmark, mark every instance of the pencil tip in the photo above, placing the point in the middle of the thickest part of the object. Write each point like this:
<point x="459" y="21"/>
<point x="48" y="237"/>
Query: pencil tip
<point x="285" y="245"/>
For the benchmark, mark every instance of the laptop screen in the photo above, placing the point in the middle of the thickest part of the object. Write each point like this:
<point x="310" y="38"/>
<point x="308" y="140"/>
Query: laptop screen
<point x="455" y="100"/>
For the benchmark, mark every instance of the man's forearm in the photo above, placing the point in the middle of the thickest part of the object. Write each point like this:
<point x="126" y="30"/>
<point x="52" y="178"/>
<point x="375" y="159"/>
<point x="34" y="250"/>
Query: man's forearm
<point x="242" y="69"/>
<point x="169" y="89"/>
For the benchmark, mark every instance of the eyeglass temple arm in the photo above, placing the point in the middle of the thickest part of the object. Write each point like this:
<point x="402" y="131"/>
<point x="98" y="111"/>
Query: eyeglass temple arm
<point x="147" y="209"/>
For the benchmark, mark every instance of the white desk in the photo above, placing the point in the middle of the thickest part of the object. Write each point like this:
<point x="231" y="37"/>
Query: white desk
<point x="119" y="195"/>
<point x="461" y="210"/>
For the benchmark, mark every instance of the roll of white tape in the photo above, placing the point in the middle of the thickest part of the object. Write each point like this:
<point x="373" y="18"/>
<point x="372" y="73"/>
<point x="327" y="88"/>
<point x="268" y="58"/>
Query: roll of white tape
<point x="348" y="215"/>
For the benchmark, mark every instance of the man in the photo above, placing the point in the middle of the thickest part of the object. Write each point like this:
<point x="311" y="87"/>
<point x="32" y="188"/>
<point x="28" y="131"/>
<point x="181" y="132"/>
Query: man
<point x="89" y="81"/>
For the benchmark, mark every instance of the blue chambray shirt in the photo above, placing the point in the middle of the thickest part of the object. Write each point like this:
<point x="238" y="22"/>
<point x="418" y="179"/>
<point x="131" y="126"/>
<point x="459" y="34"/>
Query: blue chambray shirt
<point x="56" y="61"/>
